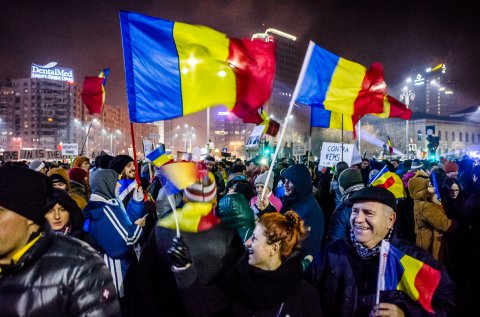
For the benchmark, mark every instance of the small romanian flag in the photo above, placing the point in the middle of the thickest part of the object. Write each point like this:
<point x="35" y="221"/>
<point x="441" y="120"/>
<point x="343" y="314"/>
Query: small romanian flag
<point x="158" y="157"/>
<point x="409" y="275"/>
<point x="177" y="176"/>
<point x="390" y="146"/>
<point x="174" y="69"/>
<point x="93" y="93"/>
<point x="390" y="181"/>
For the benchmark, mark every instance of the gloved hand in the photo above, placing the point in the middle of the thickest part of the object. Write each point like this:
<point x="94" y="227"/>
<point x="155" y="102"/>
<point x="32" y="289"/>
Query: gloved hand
<point x="307" y="260"/>
<point x="138" y="194"/>
<point x="179" y="253"/>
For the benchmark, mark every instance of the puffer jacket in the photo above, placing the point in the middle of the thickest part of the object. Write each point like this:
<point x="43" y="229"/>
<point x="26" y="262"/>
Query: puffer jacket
<point x="431" y="221"/>
<point x="234" y="211"/>
<point x="58" y="276"/>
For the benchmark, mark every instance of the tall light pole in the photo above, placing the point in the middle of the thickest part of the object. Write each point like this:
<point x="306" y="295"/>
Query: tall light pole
<point x="406" y="96"/>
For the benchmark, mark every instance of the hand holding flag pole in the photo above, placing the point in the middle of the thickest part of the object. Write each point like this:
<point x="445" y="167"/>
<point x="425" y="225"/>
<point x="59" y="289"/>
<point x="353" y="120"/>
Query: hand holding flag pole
<point x="290" y="108"/>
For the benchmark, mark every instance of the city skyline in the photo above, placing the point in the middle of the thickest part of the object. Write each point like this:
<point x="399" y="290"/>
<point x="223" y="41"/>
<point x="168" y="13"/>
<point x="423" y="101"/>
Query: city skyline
<point x="85" y="35"/>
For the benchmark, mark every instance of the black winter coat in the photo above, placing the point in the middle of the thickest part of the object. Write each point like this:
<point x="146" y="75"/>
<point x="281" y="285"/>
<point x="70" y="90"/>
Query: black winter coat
<point x="58" y="276"/>
<point x="347" y="283"/>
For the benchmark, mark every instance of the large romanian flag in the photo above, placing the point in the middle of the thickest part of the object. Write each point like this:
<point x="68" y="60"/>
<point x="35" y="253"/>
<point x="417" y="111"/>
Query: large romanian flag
<point x="174" y="69"/>
<point x="409" y="275"/>
<point x="392" y="108"/>
<point x="340" y="86"/>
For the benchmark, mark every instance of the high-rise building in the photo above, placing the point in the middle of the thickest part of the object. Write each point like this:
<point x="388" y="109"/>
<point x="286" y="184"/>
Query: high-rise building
<point x="38" y="111"/>
<point x="434" y="92"/>
<point x="227" y="131"/>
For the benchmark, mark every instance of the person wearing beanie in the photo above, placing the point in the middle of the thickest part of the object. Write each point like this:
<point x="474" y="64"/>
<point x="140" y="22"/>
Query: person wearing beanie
<point x="61" y="180"/>
<point x="125" y="167"/>
<point x="32" y="255"/>
<point x="334" y="187"/>
<point x="38" y="166"/>
<point x="349" y="268"/>
<point x="349" y="182"/>
<point x="431" y="221"/>
<point x="64" y="215"/>
<point x="215" y="247"/>
<point x="270" y="203"/>
<point x="78" y="182"/>
<point x="212" y="167"/>
<point x="416" y="165"/>
<point x="299" y="198"/>
<point x="451" y="168"/>
<point x="114" y="230"/>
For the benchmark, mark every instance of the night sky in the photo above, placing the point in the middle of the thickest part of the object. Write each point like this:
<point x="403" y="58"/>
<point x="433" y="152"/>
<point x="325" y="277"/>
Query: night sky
<point x="405" y="36"/>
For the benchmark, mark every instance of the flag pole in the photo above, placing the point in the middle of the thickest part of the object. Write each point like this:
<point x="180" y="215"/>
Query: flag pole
<point x="382" y="264"/>
<point x="342" y="136"/>
<point x="171" y="200"/>
<point x="137" y="175"/>
<point x="306" y="60"/>
<point x="86" y="138"/>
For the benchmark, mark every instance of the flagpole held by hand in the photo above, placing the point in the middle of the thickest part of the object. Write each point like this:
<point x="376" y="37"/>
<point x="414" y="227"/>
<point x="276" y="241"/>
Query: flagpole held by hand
<point x="171" y="200"/>
<point x="308" y="54"/>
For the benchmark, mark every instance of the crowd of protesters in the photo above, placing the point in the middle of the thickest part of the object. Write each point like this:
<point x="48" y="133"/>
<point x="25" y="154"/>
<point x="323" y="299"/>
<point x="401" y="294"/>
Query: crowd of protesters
<point x="88" y="239"/>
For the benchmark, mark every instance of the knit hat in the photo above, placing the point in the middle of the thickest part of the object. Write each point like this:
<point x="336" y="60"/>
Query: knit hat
<point x="262" y="179"/>
<point x="373" y="193"/>
<point x="349" y="178"/>
<point x="451" y="167"/>
<point x="16" y="183"/>
<point x="79" y="160"/>
<point x="77" y="174"/>
<point x="204" y="189"/>
<point x="60" y="175"/>
<point x="339" y="168"/>
<point x="103" y="161"/>
<point x="119" y="162"/>
<point x="416" y="164"/>
<point x="209" y="159"/>
<point x="36" y="165"/>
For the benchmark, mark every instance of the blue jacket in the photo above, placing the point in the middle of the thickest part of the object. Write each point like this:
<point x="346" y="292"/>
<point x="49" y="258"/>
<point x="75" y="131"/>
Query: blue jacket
<point x="306" y="206"/>
<point x="113" y="232"/>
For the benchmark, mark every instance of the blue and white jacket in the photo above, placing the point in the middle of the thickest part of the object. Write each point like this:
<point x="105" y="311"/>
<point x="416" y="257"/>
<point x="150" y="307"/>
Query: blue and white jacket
<point x="114" y="234"/>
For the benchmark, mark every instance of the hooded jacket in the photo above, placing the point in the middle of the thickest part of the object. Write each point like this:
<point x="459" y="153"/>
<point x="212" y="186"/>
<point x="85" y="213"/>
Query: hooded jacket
<point x="306" y="206"/>
<point x="112" y="229"/>
<point x="81" y="202"/>
<point x="431" y="220"/>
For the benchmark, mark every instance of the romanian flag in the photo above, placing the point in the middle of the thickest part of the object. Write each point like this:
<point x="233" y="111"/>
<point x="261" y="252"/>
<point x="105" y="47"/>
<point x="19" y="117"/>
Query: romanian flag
<point x="390" y="181"/>
<point x="390" y="146"/>
<point x="158" y="157"/>
<point x="177" y="176"/>
<point x="93" y="93"/>
<point x="174" y="69"/>
<point x="271" y="126"/>
<point x="392" y="108"/>
<point x="407" y="274"/>
<point x="340" y="86"/>
<point x="193" y="217"/>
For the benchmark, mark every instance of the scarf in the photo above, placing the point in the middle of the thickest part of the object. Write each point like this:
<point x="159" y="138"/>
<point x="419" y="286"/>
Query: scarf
<point x="364" y="252"/>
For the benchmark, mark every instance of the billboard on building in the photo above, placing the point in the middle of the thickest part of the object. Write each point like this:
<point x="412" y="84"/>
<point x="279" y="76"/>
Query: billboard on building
<point x="51" y="71"/>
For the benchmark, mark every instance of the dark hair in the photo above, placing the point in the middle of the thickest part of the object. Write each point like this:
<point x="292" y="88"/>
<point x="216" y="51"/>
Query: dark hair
<point x="63" y="198"/>
<point x="287" y="229"/>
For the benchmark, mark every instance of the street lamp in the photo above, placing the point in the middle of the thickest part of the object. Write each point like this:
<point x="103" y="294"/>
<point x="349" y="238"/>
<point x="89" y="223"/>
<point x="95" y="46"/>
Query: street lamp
<point x="406" y="96"/>
<point x="188" y="134"/>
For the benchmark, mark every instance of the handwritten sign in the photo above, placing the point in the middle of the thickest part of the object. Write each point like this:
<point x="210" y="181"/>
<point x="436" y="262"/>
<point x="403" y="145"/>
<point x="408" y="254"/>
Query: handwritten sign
<point x="70" y="149"/>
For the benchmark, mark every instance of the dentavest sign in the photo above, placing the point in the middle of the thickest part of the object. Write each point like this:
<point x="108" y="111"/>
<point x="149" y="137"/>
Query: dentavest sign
<point x="49" y="71"/>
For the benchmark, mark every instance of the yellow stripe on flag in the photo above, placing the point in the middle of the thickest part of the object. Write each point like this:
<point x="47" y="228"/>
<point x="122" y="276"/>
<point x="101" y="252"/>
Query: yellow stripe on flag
<point x="205" y="74"/>
<point x="181" y="174"/>
<point x="188" y="217"/>
<point x="336" y="121"/>
<point x="407" y="283"/>
<point x="344" y="87"/>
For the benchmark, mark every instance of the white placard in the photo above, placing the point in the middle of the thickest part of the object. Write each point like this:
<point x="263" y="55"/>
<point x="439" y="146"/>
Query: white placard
<point x="331" y="154"/>
<point x="70" y="149"/>
<point x="254" y="138"/>
<point x="299" y="149"/>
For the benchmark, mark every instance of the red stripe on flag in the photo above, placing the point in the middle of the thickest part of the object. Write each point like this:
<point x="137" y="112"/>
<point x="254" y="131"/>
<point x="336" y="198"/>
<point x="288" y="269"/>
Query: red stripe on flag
<point x="388" y="183"/>
<point x="370" y="96"/>
<point x="426" y="282"/>
<point x="92" y="94"/>
<point x="254" y="65"/>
